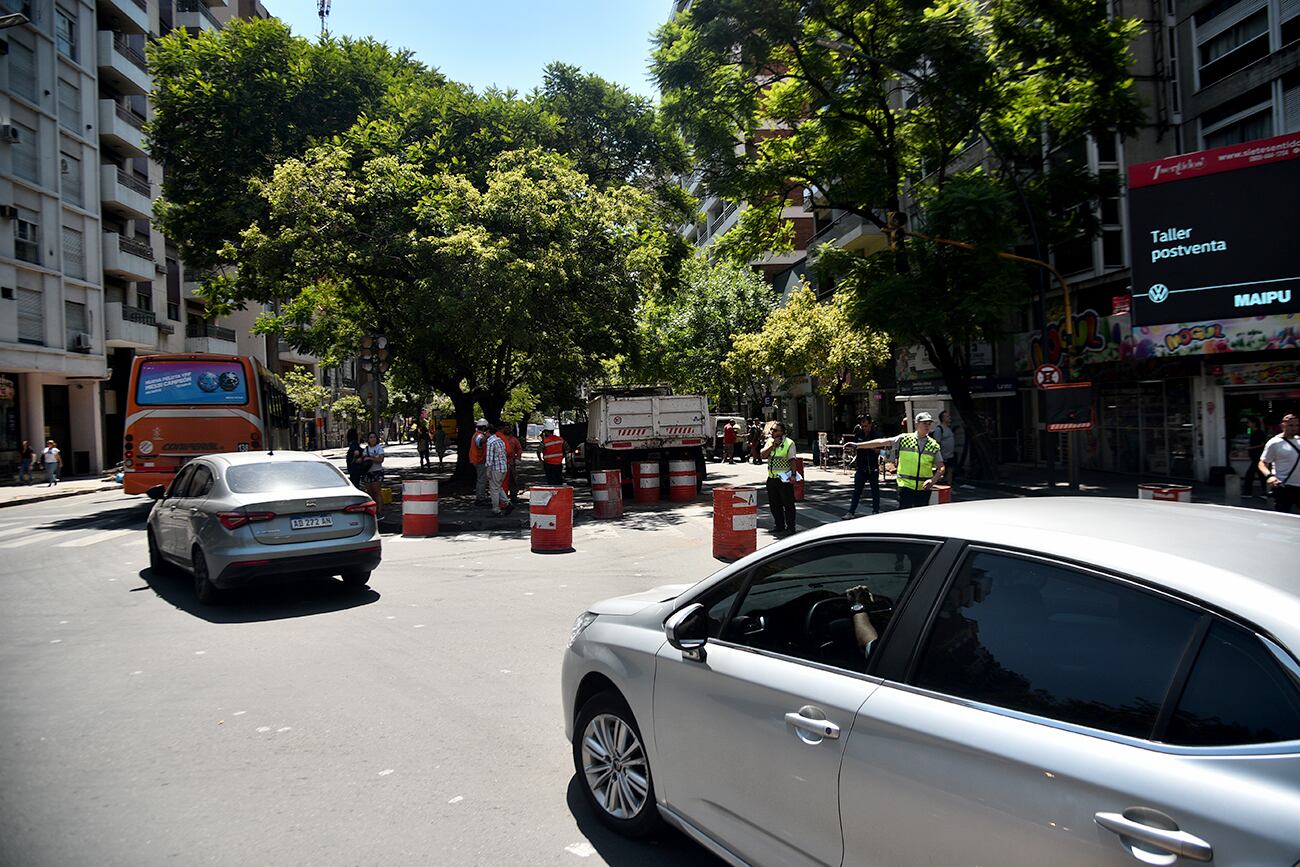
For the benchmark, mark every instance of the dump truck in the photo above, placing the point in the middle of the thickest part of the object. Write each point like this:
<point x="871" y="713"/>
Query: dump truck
<point x="628" y="425"/>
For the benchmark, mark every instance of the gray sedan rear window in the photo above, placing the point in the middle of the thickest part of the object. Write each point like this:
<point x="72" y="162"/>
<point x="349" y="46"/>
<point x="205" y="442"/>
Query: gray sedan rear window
<point x="286" y="476"/>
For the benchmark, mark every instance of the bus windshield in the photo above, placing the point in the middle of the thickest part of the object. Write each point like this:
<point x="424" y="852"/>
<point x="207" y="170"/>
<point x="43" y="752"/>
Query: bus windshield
<point x="191" y="383"/>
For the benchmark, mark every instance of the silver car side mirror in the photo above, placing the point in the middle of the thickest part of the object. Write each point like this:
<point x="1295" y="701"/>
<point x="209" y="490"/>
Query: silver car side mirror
<point x="688" y="631"/>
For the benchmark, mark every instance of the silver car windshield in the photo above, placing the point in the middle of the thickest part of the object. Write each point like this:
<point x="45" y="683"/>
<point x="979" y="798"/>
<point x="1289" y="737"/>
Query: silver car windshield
<point x="283" y="476"/>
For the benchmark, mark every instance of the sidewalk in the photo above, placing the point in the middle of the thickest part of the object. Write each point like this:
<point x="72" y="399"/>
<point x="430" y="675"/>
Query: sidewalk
<point x="1031" y="481"/>
<point x="37" y="492"/>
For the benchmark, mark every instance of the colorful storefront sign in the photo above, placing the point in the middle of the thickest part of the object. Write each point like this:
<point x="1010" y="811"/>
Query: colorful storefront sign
<point x="1260" y="373"/>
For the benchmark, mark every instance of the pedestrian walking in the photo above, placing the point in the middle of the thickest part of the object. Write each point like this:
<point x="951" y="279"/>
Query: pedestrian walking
<point x="755" y="440"/>
<point x="551" y="454"/>
<point x="477" y="457"/>
<point x="439" y="441"/>
<point x="779" y="452"/>
<point x="514" y="451"/>
<point x="920" y="461"/>
<point x="944" y="432"/>
<point x="53" y="461"/>
<point x="729" y="442"/>
<point x="866" y="467"/>
<point x="497" y="462"/>
<point x="372" y="462"/>
<point x="26" y="457"/>
<point x="1280" y="465"/>
<point x="354" y="460"/>
<point x="422" y="445"/>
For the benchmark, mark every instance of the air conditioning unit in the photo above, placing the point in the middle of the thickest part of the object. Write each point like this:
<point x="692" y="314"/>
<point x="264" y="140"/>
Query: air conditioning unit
<point x="65" y="167"/>
<point x="81" y="341"/>
<point x="9" y="134"/>
<point x="8" y="212"/>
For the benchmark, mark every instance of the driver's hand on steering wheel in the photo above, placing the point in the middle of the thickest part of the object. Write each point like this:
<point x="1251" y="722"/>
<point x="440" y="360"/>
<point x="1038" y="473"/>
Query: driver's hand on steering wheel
<point x="860" y="595"/>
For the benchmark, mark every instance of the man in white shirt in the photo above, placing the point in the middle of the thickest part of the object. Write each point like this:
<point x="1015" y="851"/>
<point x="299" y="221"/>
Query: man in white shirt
<point x="498" y="464"/>
<point x="1280" y="465"/>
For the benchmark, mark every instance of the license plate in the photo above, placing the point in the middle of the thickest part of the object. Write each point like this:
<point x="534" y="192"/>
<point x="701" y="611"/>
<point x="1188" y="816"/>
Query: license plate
<point x="311" y="521"/>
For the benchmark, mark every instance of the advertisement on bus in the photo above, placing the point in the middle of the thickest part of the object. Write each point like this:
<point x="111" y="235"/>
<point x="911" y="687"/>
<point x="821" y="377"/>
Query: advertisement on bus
<point x="191" y="383"/>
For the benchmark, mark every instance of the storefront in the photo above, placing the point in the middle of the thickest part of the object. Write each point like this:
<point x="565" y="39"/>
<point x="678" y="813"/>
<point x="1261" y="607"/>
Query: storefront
<point x="10" y="427"/>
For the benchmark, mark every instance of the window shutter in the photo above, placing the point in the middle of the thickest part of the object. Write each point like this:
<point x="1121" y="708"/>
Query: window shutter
<point x="1291" y="107"/>
<point x="22" y="70"/>
<point x="31" y="316"/>
<point x="27" y="163"/>
<point x="70" y="107"/>
<point x="74" y="253"/>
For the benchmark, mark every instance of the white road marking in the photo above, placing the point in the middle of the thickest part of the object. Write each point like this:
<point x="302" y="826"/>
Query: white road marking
<point x="239" y="713"/>
<point x="582" y="850"/>
<point x="282" y="729"/>
<point x="530" y="593"/>
<point x="199" y="652"/>
<point x="418" y="626"/>
<point x="14" y="531"/>
<point x="134" y="673"/>
<point x="64" y="622"/>
<point x="263" y="729"/>
<point x="390" y="617"/>
<point x="505" y="671"/>
<point x="27" y="540"/>
<point x="57" y="641"/>
<point x="457" y="799"/>
<point x="95" y="538"/>
<point x="385" y="772"/>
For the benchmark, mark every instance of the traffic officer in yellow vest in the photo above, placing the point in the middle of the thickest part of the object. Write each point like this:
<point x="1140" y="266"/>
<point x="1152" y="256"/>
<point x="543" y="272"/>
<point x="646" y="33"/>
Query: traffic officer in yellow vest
<point x="920" y="461"/>
<point x="551" y="454"/>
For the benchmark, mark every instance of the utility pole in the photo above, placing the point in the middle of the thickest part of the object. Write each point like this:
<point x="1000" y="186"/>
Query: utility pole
<point x="323" y="9"/>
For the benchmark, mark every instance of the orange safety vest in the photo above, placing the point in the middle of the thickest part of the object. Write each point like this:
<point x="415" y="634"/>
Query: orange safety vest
<point x="478" y="448"/>
<point x="553" y="449"/>
<point x="514" y="451"/>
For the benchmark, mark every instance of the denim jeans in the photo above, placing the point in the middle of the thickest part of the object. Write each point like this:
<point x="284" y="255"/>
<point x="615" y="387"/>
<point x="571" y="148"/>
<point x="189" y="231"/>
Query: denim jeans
<point x="867" y="470"/>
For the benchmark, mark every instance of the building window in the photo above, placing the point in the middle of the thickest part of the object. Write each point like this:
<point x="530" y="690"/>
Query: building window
<point x="70" y="168"/>
<point x="70" y="106"/>
<point x="173" y="289"/>
<point x="22" y="70"/>
<point x="74" y="323"/>
<point x="27" y="162"/>
<point x="74" y="253"/>
<point x="1255" y="126"/>
<point x="65" y="34"/>
<point x="31" y="317"/>
<point x="1233" y="49"/>
<point x="27" y="241"/>
<point x="144" y="296"/>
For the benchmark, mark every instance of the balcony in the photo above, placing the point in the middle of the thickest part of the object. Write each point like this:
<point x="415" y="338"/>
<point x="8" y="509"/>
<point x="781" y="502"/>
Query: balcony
<point x="289" y="355"/>
<point x="129" y="327"/>
<point x="121" y="128"/>
<point x="127" y="258"/>
<point x="124" y="16"/>
<point x="121" y="65"/>
<point x="194" y="16"/>
<point x="126" y="192"/>
<point x="202" y="337"/>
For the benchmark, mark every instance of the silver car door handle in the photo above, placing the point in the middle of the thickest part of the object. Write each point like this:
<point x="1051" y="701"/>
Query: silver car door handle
<point x="1174" y="842"/>
<point x="820" y="727"/>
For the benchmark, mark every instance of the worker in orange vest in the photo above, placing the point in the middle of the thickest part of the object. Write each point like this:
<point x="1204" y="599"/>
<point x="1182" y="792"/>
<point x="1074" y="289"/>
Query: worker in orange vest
<point x="514" y="451"/>
<point x="478" y="457"/>
<point x="551" y="454"/>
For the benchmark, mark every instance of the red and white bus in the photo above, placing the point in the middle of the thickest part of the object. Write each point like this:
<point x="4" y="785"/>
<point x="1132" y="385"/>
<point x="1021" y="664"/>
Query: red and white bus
<point x="183" y="406"/>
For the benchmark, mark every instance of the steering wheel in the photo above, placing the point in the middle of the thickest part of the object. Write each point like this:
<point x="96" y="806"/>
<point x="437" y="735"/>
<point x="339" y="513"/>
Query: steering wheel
<point x="816" y="624"/>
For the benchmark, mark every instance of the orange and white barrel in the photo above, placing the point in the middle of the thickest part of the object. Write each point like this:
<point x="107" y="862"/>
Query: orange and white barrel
<point x="681" y="481"/>
<point x="607" y="493"/>
<point x="645" y="481"/>
<point x="735" y="522"/>
<point x="797" y="464"/>
<point x="1166" y="493"/>
<point x="550" y="518"/>
<point x="940" y="494"/>
<point x="420" y="507"/>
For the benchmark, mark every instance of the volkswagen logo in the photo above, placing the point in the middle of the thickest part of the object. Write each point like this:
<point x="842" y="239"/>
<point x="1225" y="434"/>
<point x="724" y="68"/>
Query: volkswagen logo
<point x="1158" y="293"/>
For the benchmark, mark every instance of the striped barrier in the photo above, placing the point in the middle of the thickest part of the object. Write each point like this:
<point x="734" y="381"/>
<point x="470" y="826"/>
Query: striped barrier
<point x="420" y="507"/>
<point x="682" y="479"/>
<point x="607" y="494"/>
<point x="550" y="519"/>
<point x="735" y="522"/>
<point x="645" y="482"/>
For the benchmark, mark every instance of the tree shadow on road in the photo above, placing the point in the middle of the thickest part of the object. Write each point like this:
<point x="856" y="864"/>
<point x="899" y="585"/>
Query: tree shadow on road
<point x="132" y="517"/>
<point x="671" y="848"/>
<point x="277" y="601"/>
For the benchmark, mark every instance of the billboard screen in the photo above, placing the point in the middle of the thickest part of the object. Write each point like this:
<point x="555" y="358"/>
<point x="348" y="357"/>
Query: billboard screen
<point x="191" y="383"/>
<point x="1214" y="233"/>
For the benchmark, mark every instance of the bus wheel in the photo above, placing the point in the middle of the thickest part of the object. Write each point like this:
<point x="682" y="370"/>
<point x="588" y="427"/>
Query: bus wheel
<point x="204" y="589"/>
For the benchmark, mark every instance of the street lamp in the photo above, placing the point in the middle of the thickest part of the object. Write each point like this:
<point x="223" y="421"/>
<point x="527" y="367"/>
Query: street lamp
<point x="374" y="360"/>
<point x="12" y="19"/>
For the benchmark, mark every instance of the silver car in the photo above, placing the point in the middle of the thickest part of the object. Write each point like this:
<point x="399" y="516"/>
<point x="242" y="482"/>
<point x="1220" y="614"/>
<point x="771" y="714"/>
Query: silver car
<point x="245" y="517"/>
<point x="1036" y="681"/>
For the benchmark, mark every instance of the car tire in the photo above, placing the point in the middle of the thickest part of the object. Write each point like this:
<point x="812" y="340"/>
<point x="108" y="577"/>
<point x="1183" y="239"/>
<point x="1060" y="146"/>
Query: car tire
<point x="158" y="564"/>
<point x="204" y="589"/>
<point x="356" y="578"/>
<point x="621" y="794"/>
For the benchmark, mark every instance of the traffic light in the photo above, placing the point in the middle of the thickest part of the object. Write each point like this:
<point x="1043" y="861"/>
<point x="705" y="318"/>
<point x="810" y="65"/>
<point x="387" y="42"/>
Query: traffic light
<point x="374" y="354"/>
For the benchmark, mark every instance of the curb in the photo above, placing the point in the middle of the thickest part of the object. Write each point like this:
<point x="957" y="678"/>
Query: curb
<point x="59" y="496"/>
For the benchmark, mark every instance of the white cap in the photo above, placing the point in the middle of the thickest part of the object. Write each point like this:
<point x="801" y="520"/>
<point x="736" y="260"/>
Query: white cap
<point x="923" y="416"/>
<point x="481" y="423"/>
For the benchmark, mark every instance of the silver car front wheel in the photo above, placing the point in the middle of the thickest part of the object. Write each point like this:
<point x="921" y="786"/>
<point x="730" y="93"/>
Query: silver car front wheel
<point x="611" y="763"/>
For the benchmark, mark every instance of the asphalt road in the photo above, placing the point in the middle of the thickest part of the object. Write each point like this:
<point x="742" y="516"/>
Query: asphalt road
<point x="416" y="723"/>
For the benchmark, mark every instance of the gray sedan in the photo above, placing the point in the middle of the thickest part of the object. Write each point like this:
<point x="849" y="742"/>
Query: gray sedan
<point x="241" y="518"/>
<point x="1065" y="681"/>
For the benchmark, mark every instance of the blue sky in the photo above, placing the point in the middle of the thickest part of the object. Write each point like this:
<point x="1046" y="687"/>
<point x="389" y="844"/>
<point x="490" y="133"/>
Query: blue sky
<point x="501" y="42"/>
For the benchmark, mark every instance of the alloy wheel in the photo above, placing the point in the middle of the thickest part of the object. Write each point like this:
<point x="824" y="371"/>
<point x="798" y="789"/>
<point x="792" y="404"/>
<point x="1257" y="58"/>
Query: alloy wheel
<point x="615" y="767"/>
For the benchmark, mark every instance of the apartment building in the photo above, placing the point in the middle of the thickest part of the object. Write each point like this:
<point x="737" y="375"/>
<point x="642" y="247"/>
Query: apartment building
<point x="86" y="283"/>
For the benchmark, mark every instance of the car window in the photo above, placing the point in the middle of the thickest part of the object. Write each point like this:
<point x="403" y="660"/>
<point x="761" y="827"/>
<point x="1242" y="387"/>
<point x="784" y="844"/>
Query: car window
<point x="796" y="603"/>
<point x="283" y="476"/>
<point x="1056" y="642"/>
<point x="200" y="483"/>
<point x="1237" y="694"/>
<point x="177" y="487"/>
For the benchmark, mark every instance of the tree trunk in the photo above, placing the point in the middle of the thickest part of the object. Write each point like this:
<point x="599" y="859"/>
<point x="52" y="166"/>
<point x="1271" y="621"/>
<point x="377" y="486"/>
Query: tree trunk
<point x="493" y="405"/>
<point x="956" y="377"/>
<point x="464" y="406"/>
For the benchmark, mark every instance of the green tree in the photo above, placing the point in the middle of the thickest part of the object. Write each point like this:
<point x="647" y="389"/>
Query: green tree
<point x="685" y="335"/>
<point x="353" y="410"/>
<point x="875" y="108"/>
<point x="806" y="336"/>
<point x="306" y="396"/>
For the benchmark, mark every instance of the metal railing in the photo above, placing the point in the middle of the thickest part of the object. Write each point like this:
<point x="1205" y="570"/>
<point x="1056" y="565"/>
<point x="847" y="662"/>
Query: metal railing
<point x="138" y="316"/>
<point x="130" y="52"/>
<point x="216" y="332"/>
<point x="721" y="218"/>
<point x="199" y="6"/>
<point x="134" y="247"/>
<point x="128" y="115"/>
<point x="166" y="328"/>
<point x="131" y="182"/>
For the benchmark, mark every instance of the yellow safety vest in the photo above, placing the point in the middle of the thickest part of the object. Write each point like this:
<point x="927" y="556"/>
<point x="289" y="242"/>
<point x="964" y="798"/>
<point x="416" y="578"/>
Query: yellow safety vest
<point x="915" y="463"/>
<point x="778" y="460"/>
